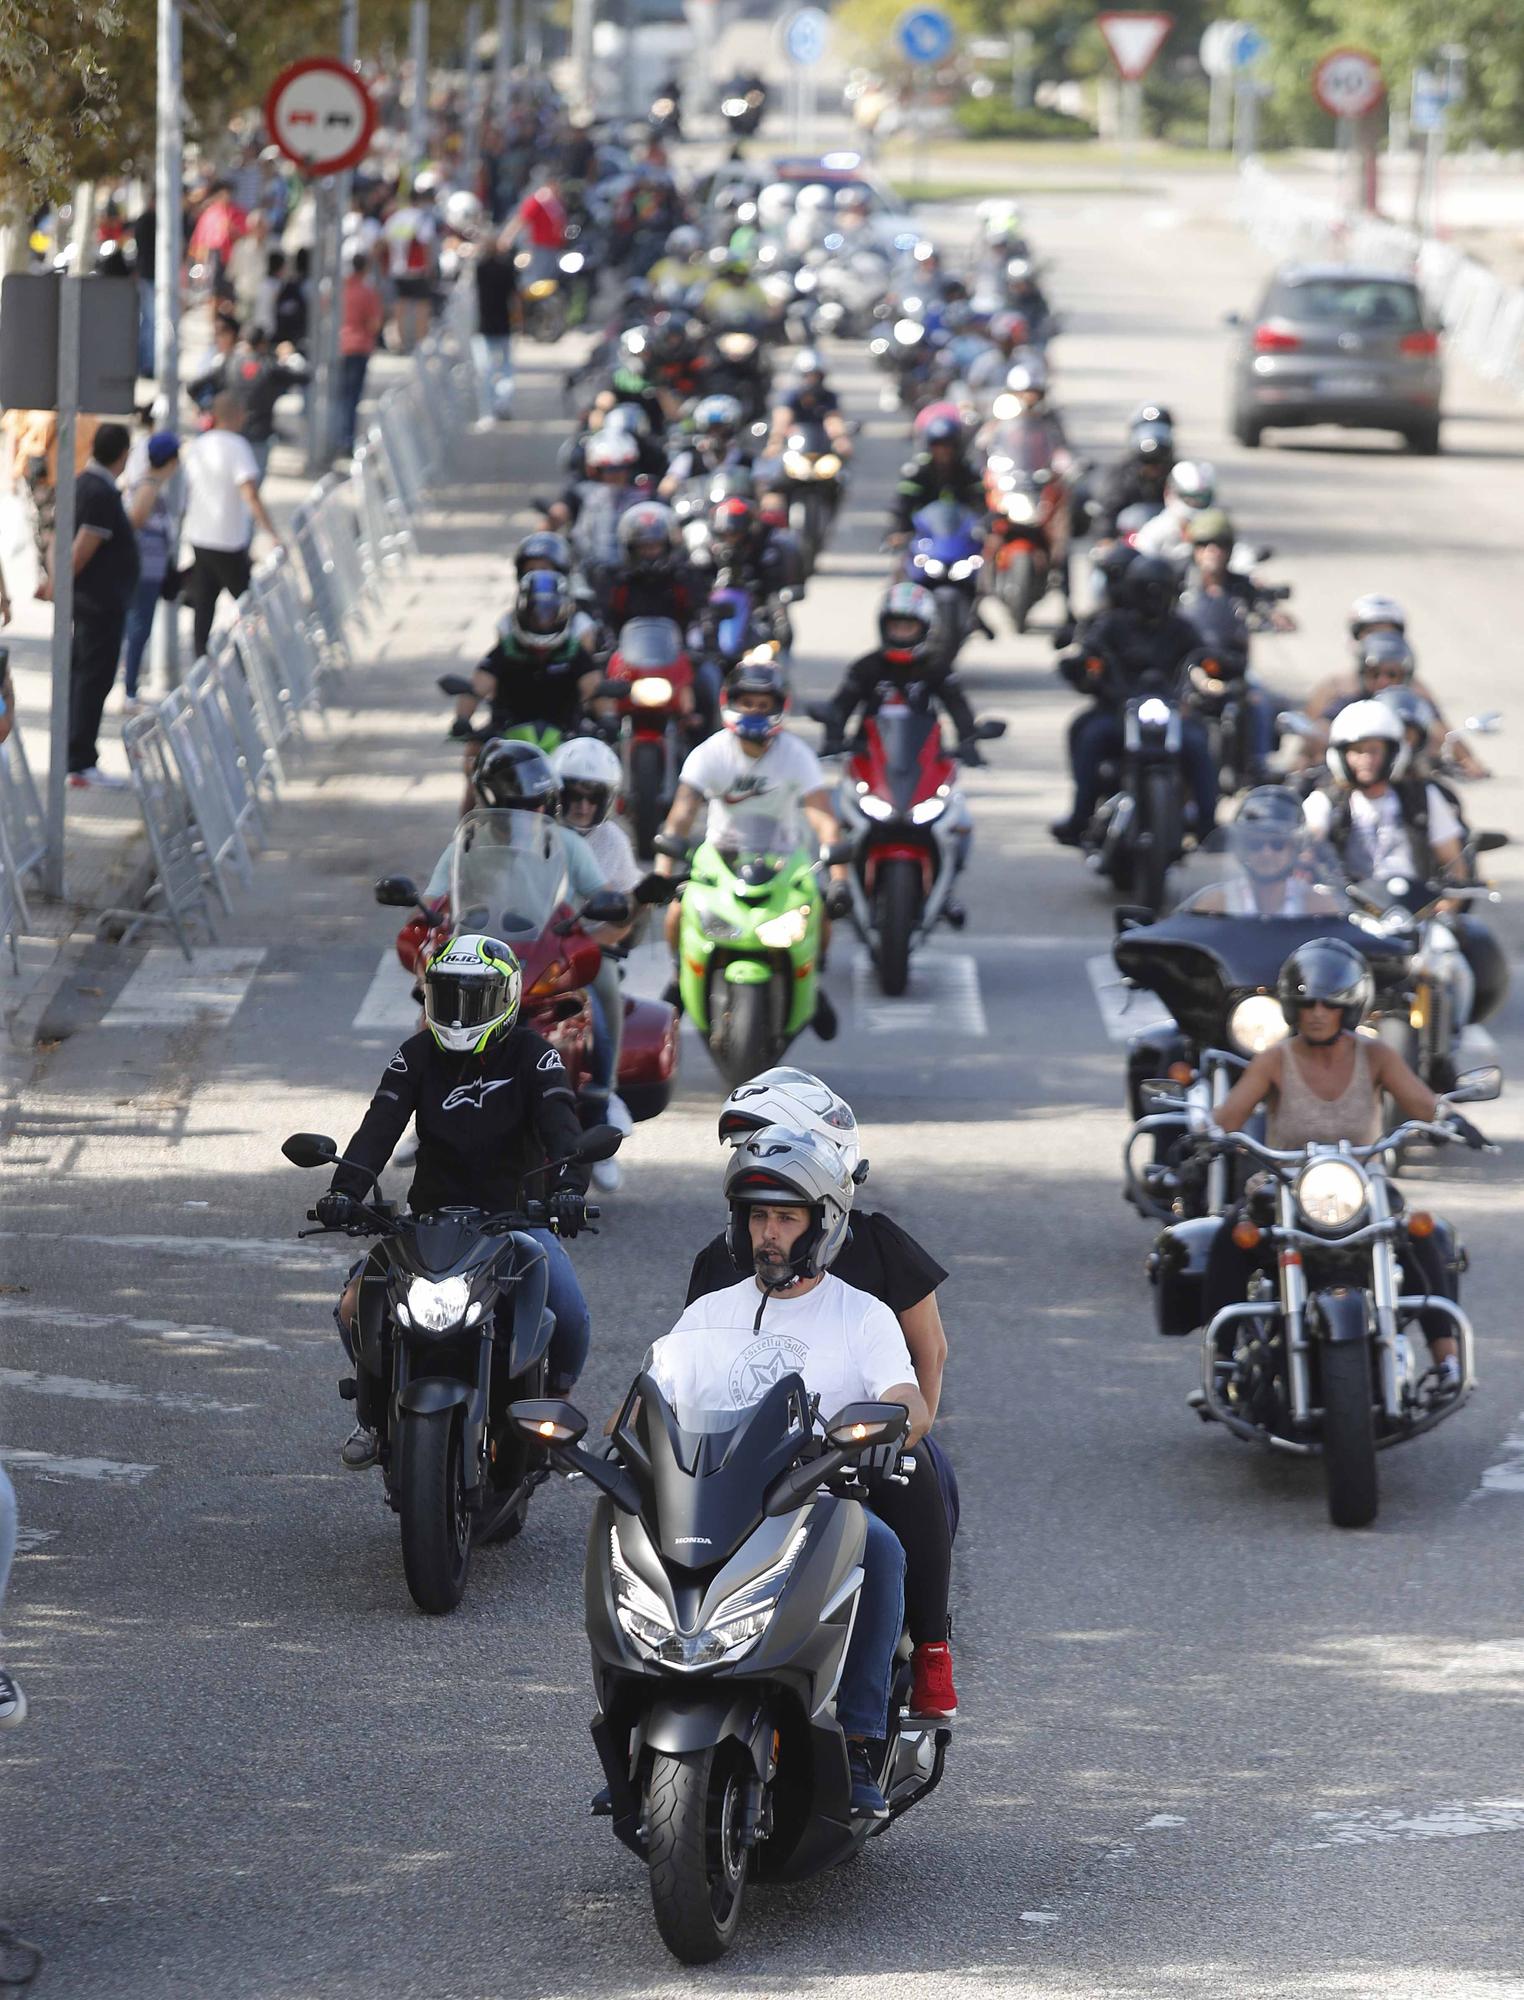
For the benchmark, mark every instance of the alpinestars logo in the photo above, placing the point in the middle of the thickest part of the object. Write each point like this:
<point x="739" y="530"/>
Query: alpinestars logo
<point x="474" y="1094"/>
<point x="398" y="1062"/>
<point x="550" y="1060"/>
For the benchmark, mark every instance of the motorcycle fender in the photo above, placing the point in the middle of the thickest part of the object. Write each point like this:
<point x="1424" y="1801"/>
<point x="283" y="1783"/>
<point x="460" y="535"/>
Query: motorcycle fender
<point x="533" y="1325"/>
<point x="681" y="1724"/>
<point x="648" y="1052"/>
<point x="427" y="1395"/>
<point x="1177" y="1268"/>
<point x="1339" y="1315"/>
<point x="747" y="972"/>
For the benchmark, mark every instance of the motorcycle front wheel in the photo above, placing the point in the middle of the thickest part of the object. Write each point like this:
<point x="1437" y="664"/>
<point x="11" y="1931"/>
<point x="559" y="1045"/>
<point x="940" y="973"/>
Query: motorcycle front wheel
<point x="693" y="1816"/>
<point x="431" y="1503"/>
<point x="1349" y="1434"/>
<point x="743" y="1039"/>
<point x="648" y="767"/>
<point x="897" y="904"/>
<point x="1158" y="840"/>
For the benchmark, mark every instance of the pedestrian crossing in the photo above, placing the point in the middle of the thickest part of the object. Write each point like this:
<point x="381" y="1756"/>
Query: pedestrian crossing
<point x="167" y="990"/>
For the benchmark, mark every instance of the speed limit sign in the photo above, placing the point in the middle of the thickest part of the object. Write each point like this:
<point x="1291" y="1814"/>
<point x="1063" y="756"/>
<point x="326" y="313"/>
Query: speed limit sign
<point x="1347" y="83"/>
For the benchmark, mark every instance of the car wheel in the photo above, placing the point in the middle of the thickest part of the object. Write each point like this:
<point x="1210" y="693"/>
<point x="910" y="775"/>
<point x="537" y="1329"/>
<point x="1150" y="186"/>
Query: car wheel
<point x="1246" y="430"/>
<point x="1424" y="439"/>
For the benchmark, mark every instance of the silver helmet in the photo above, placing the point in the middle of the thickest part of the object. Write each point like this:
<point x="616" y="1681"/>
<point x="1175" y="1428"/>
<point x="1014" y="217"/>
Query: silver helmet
<point x="792" y="1097"/>
<point x="776" y="1165"/>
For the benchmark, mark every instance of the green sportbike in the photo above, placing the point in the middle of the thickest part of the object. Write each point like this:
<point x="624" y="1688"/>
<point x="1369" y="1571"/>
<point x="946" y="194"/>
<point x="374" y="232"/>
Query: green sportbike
<point x="749" y="948"/>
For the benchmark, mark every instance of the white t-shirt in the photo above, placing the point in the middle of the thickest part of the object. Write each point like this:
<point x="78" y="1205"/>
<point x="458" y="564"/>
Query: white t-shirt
<point x="614" y="854"/>
<point x="216" y="513"/>
<point x="846" y="1344"/>
<point x="743" y="790"/>
<point x="1379" y="841"/>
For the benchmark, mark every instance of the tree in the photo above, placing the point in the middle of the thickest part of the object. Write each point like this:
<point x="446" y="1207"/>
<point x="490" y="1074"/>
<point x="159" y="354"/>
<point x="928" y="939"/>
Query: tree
<point x="57" y="95"/>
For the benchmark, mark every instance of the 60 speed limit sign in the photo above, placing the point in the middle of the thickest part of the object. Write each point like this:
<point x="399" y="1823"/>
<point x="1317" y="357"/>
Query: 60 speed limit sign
<point x="1347" y="83"/>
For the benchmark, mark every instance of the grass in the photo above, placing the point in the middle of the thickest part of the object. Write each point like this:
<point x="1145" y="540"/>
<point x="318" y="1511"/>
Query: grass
<point x="1065" y="157"/>
<point x="933" y="189"/>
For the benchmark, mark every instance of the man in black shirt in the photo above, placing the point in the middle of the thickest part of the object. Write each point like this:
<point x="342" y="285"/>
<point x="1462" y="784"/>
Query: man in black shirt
<point x="105" y="560"/>
<point x="493" y="1104"/>
<point x="490" y="345"/>
<point x="260" y="377"/>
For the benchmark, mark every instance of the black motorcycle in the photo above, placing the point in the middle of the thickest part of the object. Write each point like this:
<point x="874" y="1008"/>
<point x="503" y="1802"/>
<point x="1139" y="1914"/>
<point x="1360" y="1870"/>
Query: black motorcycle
<point x="1137" y="833"/>
<point x="457" y="1470"/>
<point x="812" y="481"/>
<point x="743" y="102"/>
<point x="723" y="1568"/>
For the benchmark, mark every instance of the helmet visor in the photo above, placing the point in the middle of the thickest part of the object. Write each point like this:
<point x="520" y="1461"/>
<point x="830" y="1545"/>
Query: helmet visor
<point x="467" y="999"/>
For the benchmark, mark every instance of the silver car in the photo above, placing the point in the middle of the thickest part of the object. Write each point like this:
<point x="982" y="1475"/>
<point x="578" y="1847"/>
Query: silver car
<point x="1337" y="344"/>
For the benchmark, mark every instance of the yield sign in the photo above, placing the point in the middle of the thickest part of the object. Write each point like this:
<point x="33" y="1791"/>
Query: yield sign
<point x="1134" y="40"/>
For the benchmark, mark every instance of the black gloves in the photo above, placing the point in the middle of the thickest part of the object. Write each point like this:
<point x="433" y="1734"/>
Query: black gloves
<point x="838" y="899"/>
<point x="1464" y="1129"/>
<point x="336" y="1211"/>
<point x="970" y="753"/>
<point x="567" y="1212"/>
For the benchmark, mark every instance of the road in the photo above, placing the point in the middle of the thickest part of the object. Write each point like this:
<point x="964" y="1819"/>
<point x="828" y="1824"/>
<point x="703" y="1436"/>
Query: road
<point x="1208" y="1745"/>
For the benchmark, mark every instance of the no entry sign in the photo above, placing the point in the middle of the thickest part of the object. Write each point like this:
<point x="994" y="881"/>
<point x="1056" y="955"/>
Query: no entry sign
<point x="320" y="115"/>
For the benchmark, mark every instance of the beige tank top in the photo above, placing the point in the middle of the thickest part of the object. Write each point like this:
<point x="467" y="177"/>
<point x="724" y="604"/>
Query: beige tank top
<point x="1301" y="1118"/>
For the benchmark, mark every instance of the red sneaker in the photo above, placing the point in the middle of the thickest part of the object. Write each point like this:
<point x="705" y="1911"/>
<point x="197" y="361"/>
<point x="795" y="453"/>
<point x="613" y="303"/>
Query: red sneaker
<point x="932" y="1692"/>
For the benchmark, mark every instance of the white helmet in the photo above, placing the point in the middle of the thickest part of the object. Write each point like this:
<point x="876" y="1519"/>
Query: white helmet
<point x="463" y="212"/>
<point x="589" y="762"/>
<point x="808" y="362"/>
<point x="1374" y="609"/>
<point x="775" y="1166"/>
<point x="610" y="448"/>
<point x="812" y="198"/>
<point x="1194" y="483"/>
<point x="1358" y="724"/>
<point x="1026" y="375"/>
<point x="793" y="1097"/>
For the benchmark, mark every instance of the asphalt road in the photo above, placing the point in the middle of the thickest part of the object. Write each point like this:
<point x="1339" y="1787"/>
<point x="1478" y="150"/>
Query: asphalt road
<point x="1208" y="1745"/>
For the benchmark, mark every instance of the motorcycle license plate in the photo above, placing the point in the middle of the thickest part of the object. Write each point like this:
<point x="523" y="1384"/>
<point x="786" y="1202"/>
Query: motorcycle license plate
<point x="1349" y="385"/>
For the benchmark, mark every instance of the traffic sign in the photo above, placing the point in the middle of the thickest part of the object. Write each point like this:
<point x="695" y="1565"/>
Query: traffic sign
<point x="1431" y="101"/>
<point x="1217" y="46"/>
<point x="925" y="35"/>
<point x="805" y="36"/>
<point x="1134" y="40"/>
<point x="1347" y="83"/>
<point x="1248" y="48"/>
<point x="320" y="115"/>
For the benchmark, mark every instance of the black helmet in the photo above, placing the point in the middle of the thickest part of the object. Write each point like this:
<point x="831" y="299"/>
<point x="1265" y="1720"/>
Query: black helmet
<point x="1113" y="562"/>
<point x="1151" y="586"/>
<point x="1329" y="970"/>
<point x="548" y="549"/>
<point x="513" y="773"/>
<point x="942" y="430"/>
<point x="1270" y="818"/>
<point x="1388" y="654"/>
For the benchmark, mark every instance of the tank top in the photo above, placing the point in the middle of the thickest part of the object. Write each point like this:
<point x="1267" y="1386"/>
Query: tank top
<point x="1302" y="1118"/>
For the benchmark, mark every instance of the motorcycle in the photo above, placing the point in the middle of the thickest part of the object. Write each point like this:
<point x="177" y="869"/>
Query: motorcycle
<point x="1319" y="1361"/>
<point x="742" y="104"/>
<point x="906" y="833"/>
<point x="508" y="878"/>
<point x="721" y="1582"/>
<point x="1029" y="502"/>
<point x="946" y="555"/>
<point x="1216" y="976"/>
<point x="903" y="347"/>
<point x="1137" y="833"/>
<point x="543" y="310"/>
<point x="545" y="735"/>
<point x="748" y="947"/>
<point x="650" y="676"/>
<point x="455" y="1468"/>
<point x="738" y="366"/>
<point x="812" y="485"/>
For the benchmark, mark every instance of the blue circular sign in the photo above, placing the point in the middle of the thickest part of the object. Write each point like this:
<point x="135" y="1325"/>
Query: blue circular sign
<point x="925" y="35"/>
<point x="1248" y="48"/>
<point x="805" y="36"/>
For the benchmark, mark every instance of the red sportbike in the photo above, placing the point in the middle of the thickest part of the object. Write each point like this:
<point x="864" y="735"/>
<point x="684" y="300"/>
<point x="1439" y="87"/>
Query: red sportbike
<point x="508" y="879"/>
<point x="909" y="830"/>
<point x="651" y="678"/>
<point x="1027" y="486"/>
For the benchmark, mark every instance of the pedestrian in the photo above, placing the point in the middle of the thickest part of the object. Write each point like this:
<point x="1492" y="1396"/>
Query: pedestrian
<point x="214" y="371"/>
<point x="34" y="466"/>
<point x="412" y="237"/>
<point x="152" y="465"/>
<point x="222" y="508"/>
<point x="361" y="320"/>
<point x="247" y="265"/>
<point x="267" y="298"/>
<point x="490" y="348"/>
<point x="259" y="378"/>
<point x="145" y="236"/>
<point x="105" y="564"/>
<point x="217" y="228"/>
<point x="293" y="302"/>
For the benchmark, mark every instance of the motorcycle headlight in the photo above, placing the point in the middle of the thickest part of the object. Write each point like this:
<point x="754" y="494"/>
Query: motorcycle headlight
<point x="782" y="932"/>
<point x="796" y="465"/>
<point x="1153" y="713"/>
<point x="806" y="281"/>
<point x="827" y="465"/>
<point x="929" y="566"/>
<point x="737" y="346"/>
<point x="1206" y="682"/>
<point x="715" y="924"/>
<point x="1330" y="1193"/>
<point x="1020" y="507"/>
<point x="739" y="1620"/>
<point x="542" y="288"/>
<point x="961" y="571"/>
<point x="436" y="1306"/>
<point x="640" y="1612"/>
<point x="1256" y="1023"/>
<point x="1006" y="406"/>
<point x="572" y="262"/>
<point x="908" y="332"/>
<point x="733" y="107"/>
<point x="873" y="807"/>
<point x="650" y="691"/>
<point x="927" y="811"/>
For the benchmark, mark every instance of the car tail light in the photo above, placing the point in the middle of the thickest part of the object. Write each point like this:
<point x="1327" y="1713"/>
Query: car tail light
<point x="1275" y="340"/>
<point x="1419" y="343"/>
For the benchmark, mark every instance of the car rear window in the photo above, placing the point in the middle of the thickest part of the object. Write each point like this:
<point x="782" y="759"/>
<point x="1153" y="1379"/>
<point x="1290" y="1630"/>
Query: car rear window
<point x="1365" y="302"/>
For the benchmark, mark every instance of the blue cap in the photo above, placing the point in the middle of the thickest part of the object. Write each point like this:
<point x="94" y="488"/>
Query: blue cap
<point x="162" y="447"/>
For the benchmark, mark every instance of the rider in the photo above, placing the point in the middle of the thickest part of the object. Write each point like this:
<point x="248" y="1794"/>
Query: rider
<point x="715" y="442"/>
<point x="879" y="1258"/>
<point x="1325" y="1084"/>
<point x="655" y="579"/>
<point x="1218" y="600"/>
<point x="538" y="673"/>
<point x="1145" y="635"/>
<point x="591" y="506"/>
<point x="493" y="1105"/>
<point x="733" y="300"/>
<point x="1190" y="489"/>
<point x="1138" y="477"/>
<point x="681" y="265"/>
<point x="904" y="658"/>
<point x="941" y="470"/>
<point x="1267" y="841"/>
<point x="790" y="1198"/>
<point x="754" y="769"/>
<point x="810" y="400"/>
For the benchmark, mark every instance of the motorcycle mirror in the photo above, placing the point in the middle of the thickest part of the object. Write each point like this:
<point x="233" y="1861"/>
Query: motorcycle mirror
<point x="396" y="892"/>
<point x="655" y="890"/>
<point x="838" y="851"/>
<point x="989" y="728"/>
<point x="1474" y="1086"/>
<point x="549" y="1420"/>
<point x="1130" y="917"/>
<point x="1042" y="476"/>
<point x="454" y="684"/>
<point x="1488" y="723"/>
<point x="863" y="1426"/>
<point x="1292" y="722"/>
<point x="673" y="845"/>
<point x="1489" y="843"/>
<point x="1232" y="319"/>
<point x="608" y="906"/>
<point x="1263" y="551"/>
<point x="598" y="1142"/>
<point x="310" y="1149"/>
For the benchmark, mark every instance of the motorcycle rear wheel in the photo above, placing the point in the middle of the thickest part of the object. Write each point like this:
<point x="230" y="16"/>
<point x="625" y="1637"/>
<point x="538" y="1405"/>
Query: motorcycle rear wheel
<point x="431" y="1504"/>
<point x="697" y="1864"/>
<point x="1349" y="1434"/>
<point x="648" y="767"/>
<point x="897" y="903"/>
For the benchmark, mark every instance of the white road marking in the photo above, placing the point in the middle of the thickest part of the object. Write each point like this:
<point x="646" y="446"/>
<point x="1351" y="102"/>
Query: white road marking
<point x="1458" y="1820"/>
<point x="160" y="1329"/>
<point x="28" y="1539"/>
<point x="1506" y="1474"/>
<point x="388" y="1007"/>
<point x="943" y="995"/>
<point x="166" y="991"/>
<point x="1039" y="1916"/>
<point x="82" y="1390"/>
<point x="47" y="1465"/>
<point x="1125" y="1011"/>
<point x="219" y="1249"/>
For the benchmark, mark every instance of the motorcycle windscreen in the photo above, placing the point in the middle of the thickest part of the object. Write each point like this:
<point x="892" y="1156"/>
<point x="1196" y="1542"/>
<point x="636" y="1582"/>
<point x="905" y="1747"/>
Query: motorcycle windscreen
<point x="650" y="645"/>
<point x="703" y="1472"/>
<point x="947" y="526"/>
<point x="750" y="847"/>
<point x="1027" y="447"/>
<point x="507" y="874"/>
<point x="902" y="734"/>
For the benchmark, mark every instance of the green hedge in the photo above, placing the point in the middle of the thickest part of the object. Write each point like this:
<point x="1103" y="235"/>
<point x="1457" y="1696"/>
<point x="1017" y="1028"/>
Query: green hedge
<point x="998" y="118"/>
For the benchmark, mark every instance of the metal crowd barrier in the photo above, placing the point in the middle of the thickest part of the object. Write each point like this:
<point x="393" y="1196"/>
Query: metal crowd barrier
<point x="1483" y="317"/>
<point x="209" y="763"/>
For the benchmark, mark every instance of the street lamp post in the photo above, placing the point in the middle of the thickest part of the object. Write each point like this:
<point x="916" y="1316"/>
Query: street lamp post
<point x="168" y="250"/>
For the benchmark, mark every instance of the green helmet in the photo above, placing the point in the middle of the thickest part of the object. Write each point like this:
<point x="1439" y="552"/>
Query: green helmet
<point x="471" y="992"/>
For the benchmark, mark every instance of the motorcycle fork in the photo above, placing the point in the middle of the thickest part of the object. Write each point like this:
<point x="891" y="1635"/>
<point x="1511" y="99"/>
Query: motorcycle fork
<point x="1294" y="1315"/>
<point x="1217" y="1172"/>
<point x="1386" y="1288"/>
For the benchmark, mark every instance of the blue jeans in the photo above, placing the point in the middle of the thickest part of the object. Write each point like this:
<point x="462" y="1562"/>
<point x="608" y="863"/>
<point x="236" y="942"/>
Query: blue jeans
<point x="862" y="1698"/>
<point x="145" y="327"/>
<point x="140" y="615"/>
<point x="352" y="369"/>
<point x="1097" y="735"/>
<point x="494" y="374"/>
<point x="608" y="1030"/>
<point x="574" y="1325"/>
<point x="7" y="1530"/>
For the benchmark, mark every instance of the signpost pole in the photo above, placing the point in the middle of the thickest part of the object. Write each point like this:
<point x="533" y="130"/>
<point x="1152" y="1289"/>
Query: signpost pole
<point x="63" y="582"/>
<point x="322" y="305"/>
<point x="168" y="213"/>
<point x="502" y="61"/>
<point x="418" y="51"/>
<point x="472" y="148"/>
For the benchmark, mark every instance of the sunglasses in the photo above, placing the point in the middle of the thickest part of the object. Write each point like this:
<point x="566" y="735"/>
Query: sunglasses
<point x="582" y="795"/>
<point x="1268" y="843"/>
